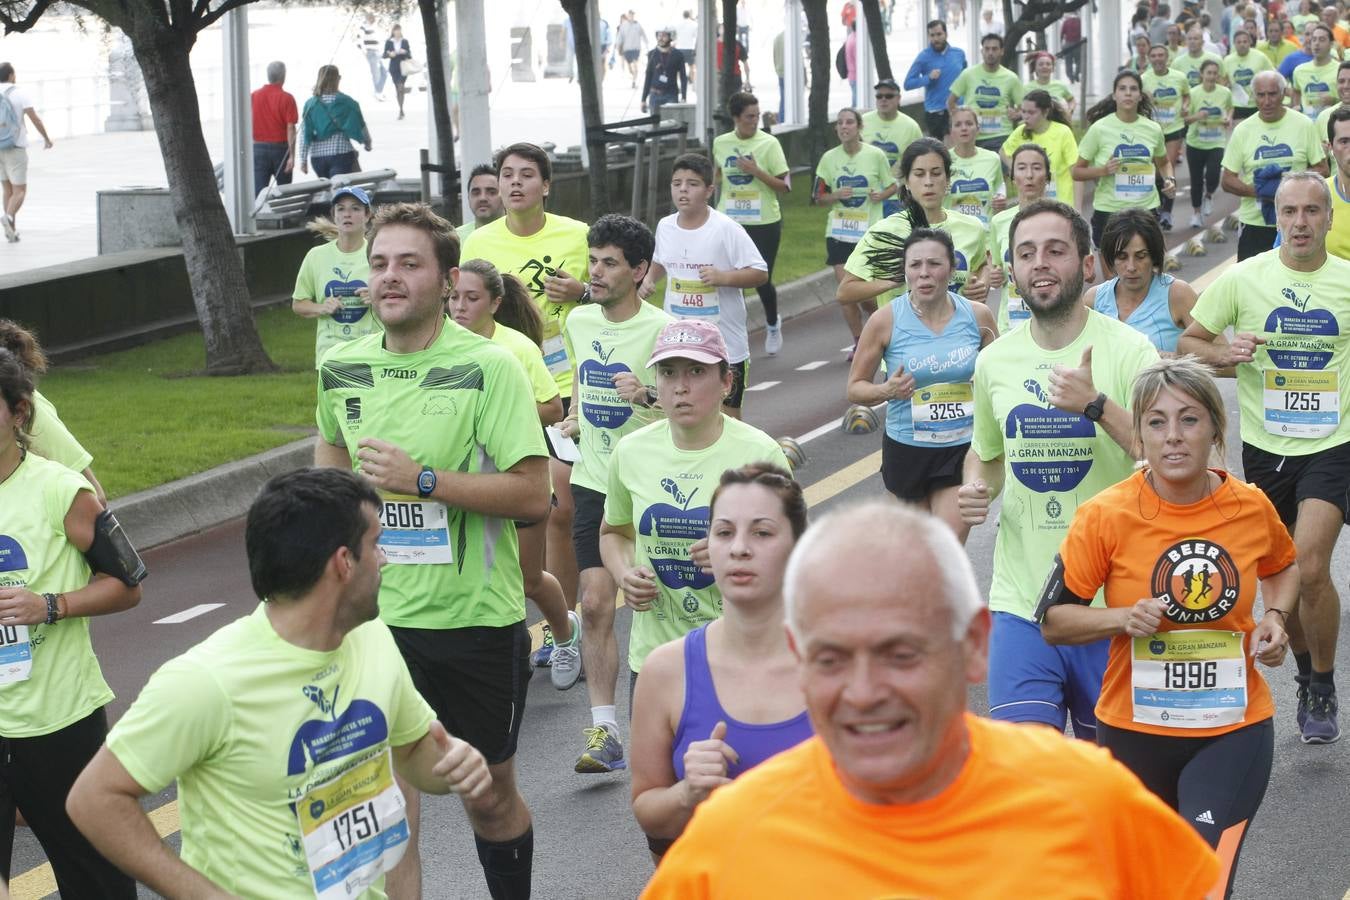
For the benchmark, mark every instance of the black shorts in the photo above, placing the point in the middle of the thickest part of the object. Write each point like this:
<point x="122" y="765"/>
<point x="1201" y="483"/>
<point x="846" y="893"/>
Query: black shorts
<point x="1289" y="480"/>
<point x="589" y="513"/>
<point x="994" y="143"/>
<point x="475" y="679"/>
<point x="1178" y="135"/>
<point x="913" y="473"/>
<point x="1254" y="240"/>
<point x="1099" y="223"/>
<point x="739" y="373"/>
<point x="1243" y="112"/>
<point x="837" y="252"/>
<point x="631" y="55"/>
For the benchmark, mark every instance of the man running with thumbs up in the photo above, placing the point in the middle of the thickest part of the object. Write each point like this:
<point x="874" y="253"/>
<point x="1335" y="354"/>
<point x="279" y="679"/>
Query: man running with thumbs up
<point x="1051" y="430"/>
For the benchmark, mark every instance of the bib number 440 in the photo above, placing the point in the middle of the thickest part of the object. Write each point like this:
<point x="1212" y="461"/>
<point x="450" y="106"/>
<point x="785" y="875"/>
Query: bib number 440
<point x="1191" y="675"/>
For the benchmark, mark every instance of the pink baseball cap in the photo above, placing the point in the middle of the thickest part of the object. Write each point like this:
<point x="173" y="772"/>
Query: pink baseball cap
<point x="689" y="339"/>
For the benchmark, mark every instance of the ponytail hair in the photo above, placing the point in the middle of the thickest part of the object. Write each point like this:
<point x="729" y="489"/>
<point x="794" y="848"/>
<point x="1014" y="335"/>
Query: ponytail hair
<point x="516" y="309"/>
<point x="1046" y="104"/>
<point x="1107" y="105"/>
<point x="887" y="255"/>
<point x="24" y="345"/>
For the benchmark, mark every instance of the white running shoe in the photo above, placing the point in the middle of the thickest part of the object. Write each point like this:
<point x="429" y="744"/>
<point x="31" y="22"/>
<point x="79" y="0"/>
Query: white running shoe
<point x="1197" y="222"/>
<point x="1207" y="208"/>
<point x="11" y="234"/>
<point x="565" y="663"/>
<point x="773" y="339"/>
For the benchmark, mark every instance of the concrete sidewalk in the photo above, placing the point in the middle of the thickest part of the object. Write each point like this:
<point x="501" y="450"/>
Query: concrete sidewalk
<point x="203" y="501"/>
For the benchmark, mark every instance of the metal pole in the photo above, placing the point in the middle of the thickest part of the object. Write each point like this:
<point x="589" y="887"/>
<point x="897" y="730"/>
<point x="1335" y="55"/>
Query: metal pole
<point x="705" y="80"/>
<point x="866" y="65"/>
<point x="475" y="144"/>
<point x="238" y="123"/>
<point x="794" y="95"/>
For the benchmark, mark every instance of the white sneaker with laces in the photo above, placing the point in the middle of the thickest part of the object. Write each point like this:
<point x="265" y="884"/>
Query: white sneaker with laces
<point x="1207" y="208"/>
<point x="11" y="234"/>
<point x="565" y="663"/>
<point x="773" y="339"/>
<point x="1197" y="222"/>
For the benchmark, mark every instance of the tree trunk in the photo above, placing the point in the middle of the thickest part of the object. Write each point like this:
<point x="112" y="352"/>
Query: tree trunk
<point x="730" y="61"/>
<point x="1037" y="15"/>
<point x="822" y="70"/>
<point x="587" y="80"/>
<point x="440" y="105"/>
<point x="219" y="291"/>
<point x="876" y="36"/>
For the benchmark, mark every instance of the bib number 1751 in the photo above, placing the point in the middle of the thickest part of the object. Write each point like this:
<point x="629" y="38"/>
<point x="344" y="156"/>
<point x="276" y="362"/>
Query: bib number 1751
<point x="356" y="825"/>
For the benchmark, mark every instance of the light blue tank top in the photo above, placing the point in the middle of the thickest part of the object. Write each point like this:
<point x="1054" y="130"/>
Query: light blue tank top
<point x="1152" y="318"/>
<point x="947" y="359"/>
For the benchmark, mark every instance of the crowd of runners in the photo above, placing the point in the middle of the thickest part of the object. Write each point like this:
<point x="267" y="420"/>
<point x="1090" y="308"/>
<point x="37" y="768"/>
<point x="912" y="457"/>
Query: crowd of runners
<point x="533" y="407"/>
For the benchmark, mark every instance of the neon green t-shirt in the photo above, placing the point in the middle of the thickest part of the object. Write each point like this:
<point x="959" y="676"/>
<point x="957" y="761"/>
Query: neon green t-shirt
<point x="1062" y="148"/>
<point x="865" y="171"/>
<point x="989" y="94"/>
<point x="1290" y="143"/>
<point x="559" y="246"/>
<point x="663" y="492"/>
<point x="1316" y="85"/>
<point x="1210" y="132"/>
<point x="1338" y="238"/>
<point x="969" y="236"/>
<point x="1295" y="395"/>
<point x="890" y="137"/>
<point x="1190" y="65"/>
<point x="1167" y="91"/>
<point x="277" y="751"/>
<point x="1138" y="144"/>
<point x="1320" y="123"/>
<point x="602" y="349"/>
<point x="1012" y="311"/>
<point x="1054" y="87"/>
<point x="328" y="273"/>
<point x="49" y="676"/>
<point x="463" y="231"/>
<point x="461" y="405"/>
<point x="51" y="439"/>
<point x="743" y="197"/>
<point x="1239" y="71"/>
<point x="527" y="353"/>
<point x="975" y="182"/>
<point x="1052" y="460"/>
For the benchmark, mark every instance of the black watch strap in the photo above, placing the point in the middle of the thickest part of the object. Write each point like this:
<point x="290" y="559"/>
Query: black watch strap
<point x="1096" y="409"/>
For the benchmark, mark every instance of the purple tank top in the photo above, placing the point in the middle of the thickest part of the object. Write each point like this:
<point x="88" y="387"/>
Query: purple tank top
<point x="702" y="711"/>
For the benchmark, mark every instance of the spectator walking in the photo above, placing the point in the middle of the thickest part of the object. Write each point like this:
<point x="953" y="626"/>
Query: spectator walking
<point x="935" y="69"/>
<point x="370" y="45"/>
<point x="1071" y="40"/>
<point x="274" y="119"/>
<point x="632" y="39"/>
<point x="397" y="51"/>
<point x="666" y="80"/>
<point x="14" y="148"/>
<point x="332" y="120"/>
<point x="686" y="39"/>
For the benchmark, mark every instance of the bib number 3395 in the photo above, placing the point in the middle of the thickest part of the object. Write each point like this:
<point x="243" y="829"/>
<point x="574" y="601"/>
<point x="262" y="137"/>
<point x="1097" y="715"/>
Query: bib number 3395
<point x="415" y="532"/>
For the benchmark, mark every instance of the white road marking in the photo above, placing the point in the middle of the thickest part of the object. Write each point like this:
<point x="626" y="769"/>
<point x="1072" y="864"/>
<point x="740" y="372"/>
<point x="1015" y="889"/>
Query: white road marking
<point x="847" y="349"/>
<point x="762" y="385"/>
<point x="200" y="609"/>
<point x="813" y="365"/>
<point x="828" y="427"/>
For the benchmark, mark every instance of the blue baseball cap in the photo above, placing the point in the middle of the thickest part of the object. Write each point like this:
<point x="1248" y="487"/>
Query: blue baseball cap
<point x="352" y="191"/>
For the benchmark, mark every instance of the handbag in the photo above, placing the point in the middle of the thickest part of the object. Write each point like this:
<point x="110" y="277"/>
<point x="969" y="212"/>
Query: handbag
<point x="410" y="67"/>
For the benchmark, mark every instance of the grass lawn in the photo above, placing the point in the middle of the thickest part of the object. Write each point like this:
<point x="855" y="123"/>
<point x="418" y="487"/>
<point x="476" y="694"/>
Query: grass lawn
<point x="149" y="417"/>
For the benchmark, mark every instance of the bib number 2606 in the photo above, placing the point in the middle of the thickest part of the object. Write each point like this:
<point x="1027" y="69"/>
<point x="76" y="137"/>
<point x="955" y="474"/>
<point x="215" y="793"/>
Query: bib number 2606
<point x="402" y="515"/>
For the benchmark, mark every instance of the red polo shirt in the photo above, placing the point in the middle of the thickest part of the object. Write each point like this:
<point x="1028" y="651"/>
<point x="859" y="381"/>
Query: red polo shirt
<point x="273" y="110"/>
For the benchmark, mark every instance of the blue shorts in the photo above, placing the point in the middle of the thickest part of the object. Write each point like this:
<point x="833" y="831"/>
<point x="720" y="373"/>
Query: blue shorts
<point x="1032" y="681"/>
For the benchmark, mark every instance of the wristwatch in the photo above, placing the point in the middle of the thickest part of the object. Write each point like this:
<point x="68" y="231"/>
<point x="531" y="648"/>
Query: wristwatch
<point x="53" y="608"/>
<point x="1096" y="408"/>
<point x="426" y="481"/>
<point x="585" y="295"/>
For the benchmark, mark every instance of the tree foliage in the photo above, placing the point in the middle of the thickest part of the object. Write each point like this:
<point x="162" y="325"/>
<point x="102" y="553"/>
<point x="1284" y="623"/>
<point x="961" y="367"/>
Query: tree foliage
<point x="1036" y="16"/>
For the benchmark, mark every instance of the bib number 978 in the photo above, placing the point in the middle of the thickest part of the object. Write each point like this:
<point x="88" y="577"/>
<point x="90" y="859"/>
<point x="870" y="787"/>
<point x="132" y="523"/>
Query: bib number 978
<point x="1191" y="675"/>
<point x="356" y="824"/>
<point x="401" y="515"/>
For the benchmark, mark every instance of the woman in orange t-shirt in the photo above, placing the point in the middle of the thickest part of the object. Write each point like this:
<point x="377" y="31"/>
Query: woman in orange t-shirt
<point x="1182" y="704"/>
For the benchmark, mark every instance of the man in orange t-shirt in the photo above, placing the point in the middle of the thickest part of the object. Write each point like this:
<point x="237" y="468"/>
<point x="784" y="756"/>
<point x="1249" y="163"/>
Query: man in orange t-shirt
<point x="902" y="793"/>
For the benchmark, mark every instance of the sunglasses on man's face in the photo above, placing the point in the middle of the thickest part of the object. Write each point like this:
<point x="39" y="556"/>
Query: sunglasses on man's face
<point x="887" y="96"/>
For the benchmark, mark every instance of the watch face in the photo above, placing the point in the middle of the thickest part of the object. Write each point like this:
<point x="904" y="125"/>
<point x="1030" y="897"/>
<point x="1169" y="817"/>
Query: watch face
<point x="426" y="482"/>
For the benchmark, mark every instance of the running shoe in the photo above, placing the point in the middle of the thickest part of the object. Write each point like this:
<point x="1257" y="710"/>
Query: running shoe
<point x="1165" y="220"/>
<point x="1321" y="726"/>
<point x="1302" y="713"/>
<point x="566" y="661"/>
<point x="773" y="339"/>
<point x="1207" y="208"/>
<point x="542" y="658"/>
<point x="1197" y="222"/>
<point x="603" y="753"/>
<point x="11" y="234"/>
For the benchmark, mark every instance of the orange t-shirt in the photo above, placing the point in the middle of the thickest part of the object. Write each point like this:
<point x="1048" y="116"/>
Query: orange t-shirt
<point x="1031" y="814"/>
<point x="1204" y="558"/>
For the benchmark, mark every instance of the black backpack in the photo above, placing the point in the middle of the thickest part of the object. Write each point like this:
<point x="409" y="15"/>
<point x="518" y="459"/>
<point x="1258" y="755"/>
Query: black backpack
<point x="840" y="63"/>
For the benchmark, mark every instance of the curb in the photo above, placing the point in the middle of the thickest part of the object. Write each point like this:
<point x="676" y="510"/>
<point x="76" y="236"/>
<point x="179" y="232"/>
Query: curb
<point x="203" y="501"/>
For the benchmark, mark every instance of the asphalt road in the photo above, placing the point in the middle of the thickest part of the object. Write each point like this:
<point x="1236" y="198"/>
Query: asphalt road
<point x="586" y="842"/>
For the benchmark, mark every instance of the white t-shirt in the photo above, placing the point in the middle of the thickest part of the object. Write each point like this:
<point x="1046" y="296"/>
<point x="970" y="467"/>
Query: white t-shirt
<point x="722" y="244"/>
<point x="686" y="35"/>
<point x="20" y="101"/>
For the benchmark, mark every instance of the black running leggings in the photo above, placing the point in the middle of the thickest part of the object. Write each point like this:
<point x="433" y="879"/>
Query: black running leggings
<point x="1204" y="169"/>
<point x="1215" y="783"/>
<point x="766" y="238"/>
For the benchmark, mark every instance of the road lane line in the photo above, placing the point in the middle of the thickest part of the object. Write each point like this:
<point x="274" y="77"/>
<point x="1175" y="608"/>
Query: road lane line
<point x="200" y="609"/>
<point x="39" y="881"/>
<point x="1209" y="277"/>
<point x="762" y="386"/>
<point x="812" y="366"/>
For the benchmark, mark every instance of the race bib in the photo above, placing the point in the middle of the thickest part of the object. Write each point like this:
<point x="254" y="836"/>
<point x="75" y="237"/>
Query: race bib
<point x="1302" y="404"/>
<point x="991" y="123"/>
<point x="1134" y="179"/>
<point x="744" y="205"/>
<point x="555" y="355"/>
<point x="692" y="299"/>
<point x="354" y="827"/>
<point x="1189" y="679"/>
<point x="16" y="654"/>
<point x="848" y="225"/>
<point x="1017" y="310"/>
<point x="1210" y="133"/>
<point x="1164" y="115"/>
<point x="970" y="206"/>
<point x="416" y="532"/>
<point x="943" y="413"/>
<point x="1239" y="94"/>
